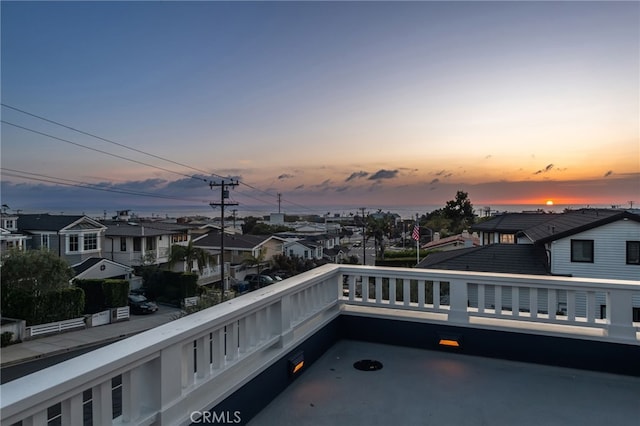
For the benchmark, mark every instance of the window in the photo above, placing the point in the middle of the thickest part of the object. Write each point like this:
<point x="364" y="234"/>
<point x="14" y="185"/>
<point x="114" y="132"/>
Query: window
<point x="44" y="241"/>
<point x="123" y="243"/>
<point x="74" y="242"/>
<point x="9" y="224"/>
<point x="633" y="252"/>
<point x="90" y="242"/>
<point x="137" y="244"/>
<point x="507" y="238"/>
<point x="582" y="251"/>
<point x="150" y="243"/>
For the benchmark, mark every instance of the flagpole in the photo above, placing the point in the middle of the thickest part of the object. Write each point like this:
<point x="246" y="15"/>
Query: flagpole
<point x="417" y="242"/>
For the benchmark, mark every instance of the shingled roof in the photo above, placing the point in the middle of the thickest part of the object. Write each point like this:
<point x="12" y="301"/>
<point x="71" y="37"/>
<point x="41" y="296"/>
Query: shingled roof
<point x="513" y="222"/>
<point x="573" y="222"/>
<point x="46" y="221"/>
<point x="497" y="258"/>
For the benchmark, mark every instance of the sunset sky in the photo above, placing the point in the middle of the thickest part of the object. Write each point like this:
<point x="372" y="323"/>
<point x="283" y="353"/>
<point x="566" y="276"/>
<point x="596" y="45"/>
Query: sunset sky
<point x="327" y="103"/>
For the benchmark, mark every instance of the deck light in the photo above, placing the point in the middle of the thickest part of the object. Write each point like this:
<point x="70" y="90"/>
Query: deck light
<point x="296" y="362"/>
<point x="450" y="340"/>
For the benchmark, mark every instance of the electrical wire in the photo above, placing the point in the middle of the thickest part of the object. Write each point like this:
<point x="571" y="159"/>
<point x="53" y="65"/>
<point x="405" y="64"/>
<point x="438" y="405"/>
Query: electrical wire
<point x="138" y="151"/>
<point x="70" y="182"/>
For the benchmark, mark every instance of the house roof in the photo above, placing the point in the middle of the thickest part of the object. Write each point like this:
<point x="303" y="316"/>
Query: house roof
<point x="231" y="242"/>
<point x="497" y="258"/>
<point x="142" y="229"/>
<point x="475" y="240"/>
<point x="573" y="222"/>
<point x="93" y="261"/>
<point x="48" y="222"/>
<point x="513" y="222"/>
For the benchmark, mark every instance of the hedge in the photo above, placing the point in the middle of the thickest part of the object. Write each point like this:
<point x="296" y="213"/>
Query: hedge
<point x="56" y="305"/>
<point x="101" y="294"/>
<point x="170" y="287"/>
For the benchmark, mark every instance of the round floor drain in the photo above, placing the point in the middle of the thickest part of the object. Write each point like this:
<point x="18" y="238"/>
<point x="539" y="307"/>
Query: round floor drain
<point x="367" y="365"/>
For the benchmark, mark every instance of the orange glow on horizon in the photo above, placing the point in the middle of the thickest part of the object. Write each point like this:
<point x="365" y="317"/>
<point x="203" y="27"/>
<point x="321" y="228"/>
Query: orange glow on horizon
<point x="549" y="202"/>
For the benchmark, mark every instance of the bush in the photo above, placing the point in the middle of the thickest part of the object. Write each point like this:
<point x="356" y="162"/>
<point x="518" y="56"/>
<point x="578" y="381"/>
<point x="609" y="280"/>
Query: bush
<point x="94" y="295"/>
<point x="5" y="338"/>
<point x="57" y="305"/>
<point x="116" y="293"/>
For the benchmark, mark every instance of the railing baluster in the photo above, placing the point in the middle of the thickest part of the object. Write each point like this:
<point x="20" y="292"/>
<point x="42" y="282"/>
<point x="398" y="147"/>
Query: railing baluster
<point x="378" y="290"/>
<point x="72" y="411"/>
<point x="481" y="301"/>
<point x="591" y="307"/>
<point x="498" y="300"/>
<point x="406" y="292"/>
<point x="533" y="302"/>
<point x="365" y="290"/>
<point x="101" y="407"/>
<point x="571" y="305"/>
<point x="392" y="291"/>
<point x="421" y="294"/>
<point x="515" y="301"/>
<point x="436" y="295"/>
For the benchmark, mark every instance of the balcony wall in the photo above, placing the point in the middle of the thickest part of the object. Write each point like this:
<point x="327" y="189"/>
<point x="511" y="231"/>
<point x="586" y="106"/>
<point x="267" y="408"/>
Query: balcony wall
<point x="238" y="348"/>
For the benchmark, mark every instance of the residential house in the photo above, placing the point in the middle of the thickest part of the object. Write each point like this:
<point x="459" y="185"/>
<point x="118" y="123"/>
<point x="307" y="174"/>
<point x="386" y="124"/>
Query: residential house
<point x="74" y="238"/>
<point x="590" y="243"/>
<point x="10" y="238"/>
<point x="453" y="242"/>
<point x="240" y="249"/>
<point x="101" y="268"/>
<point x="303" y="249"/>
<point x="504" y="228"/>
<point x="135" y="243"/>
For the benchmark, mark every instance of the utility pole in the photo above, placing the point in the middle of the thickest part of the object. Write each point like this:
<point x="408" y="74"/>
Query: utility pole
<point x="224" y="194"/>
<point x="364" y="252"/>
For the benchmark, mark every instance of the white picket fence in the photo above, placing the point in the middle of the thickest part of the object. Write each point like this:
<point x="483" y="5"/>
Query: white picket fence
<point x="55" y="327"/>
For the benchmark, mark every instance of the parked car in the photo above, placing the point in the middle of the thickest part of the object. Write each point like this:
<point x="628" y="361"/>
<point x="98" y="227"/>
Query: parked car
<point x="138" y="304"/>
<point x="258" y="280"/>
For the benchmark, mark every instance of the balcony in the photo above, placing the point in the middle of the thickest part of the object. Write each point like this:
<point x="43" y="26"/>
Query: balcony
<point x="236" y="356"/>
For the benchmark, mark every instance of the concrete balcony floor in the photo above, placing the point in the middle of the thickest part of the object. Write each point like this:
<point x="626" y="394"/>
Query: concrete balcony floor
<point x="419" y="387"/>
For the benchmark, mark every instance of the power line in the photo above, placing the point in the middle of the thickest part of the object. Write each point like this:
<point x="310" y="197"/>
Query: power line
<point x="108" y="140"/>
<point x="101" y="151"/>
<point x="138" y="151"/>
<point x="69" y="182"/>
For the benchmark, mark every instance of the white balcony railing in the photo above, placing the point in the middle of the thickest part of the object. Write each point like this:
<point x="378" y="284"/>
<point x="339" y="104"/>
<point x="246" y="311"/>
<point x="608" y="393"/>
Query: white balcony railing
<point x="193" y="363"/>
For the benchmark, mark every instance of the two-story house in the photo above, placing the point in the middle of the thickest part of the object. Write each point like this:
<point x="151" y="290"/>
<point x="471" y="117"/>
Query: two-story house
<point x="589" y="243"/>
<point x="240" y="250"/>
<point x="592" y="243"/>
<point x="139" y="242"/>
<point x="74" y="238"/>
<point x="10" y="237"/>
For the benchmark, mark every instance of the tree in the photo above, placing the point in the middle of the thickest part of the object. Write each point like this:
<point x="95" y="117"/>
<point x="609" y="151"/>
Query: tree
<point x="459" y="211"/>
<point x="189" y="254"/>
<point x="34" y="271"/>
<point x="252" y="261"/>
<point x="378" y="228"/>
<point x="35" y="287"/>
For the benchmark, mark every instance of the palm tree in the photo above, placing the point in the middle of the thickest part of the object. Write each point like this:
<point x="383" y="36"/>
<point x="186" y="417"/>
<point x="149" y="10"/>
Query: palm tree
<point x="189" y="254"/>
<point x="251" y="261"/>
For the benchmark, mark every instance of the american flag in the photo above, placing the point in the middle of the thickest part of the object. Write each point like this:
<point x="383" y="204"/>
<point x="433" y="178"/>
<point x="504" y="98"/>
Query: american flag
<point x="416" y="232"/>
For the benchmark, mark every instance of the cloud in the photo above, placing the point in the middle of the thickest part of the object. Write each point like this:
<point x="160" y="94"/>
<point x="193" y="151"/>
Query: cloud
<point x="384" y="174"/>
<point x="609" y="173"/>
<point x="545" y="170"/>
<point x="298" y="187"/>
<point x="433" y="182"/>
<point x="488" y="156"/>
<point x="285" y="176"/>
<point x="356" y="175"/>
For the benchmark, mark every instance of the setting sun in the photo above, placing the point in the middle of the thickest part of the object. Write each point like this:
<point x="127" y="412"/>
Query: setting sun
<point x="549" y="202"/>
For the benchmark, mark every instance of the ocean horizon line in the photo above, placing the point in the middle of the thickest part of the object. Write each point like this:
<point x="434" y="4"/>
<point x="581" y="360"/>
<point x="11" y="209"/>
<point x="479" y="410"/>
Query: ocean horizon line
<point x="405" y="211"/>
